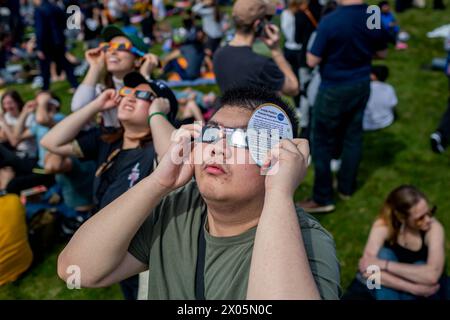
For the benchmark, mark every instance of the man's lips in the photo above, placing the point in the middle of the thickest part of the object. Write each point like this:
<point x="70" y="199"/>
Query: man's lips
<point x="214" y="169"/>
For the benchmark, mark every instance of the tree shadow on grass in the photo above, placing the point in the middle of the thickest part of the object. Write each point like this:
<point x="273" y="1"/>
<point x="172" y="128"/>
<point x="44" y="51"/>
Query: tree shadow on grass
<point x="379" y="150"/>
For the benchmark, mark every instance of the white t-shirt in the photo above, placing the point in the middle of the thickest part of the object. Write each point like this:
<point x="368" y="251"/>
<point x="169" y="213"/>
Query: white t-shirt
<point x="26" y="147"/>
<point x="288" y="28"/>
<point x="379" y="112"/>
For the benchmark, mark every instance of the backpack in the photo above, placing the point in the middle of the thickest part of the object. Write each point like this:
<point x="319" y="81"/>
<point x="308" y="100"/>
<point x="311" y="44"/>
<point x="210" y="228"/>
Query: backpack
<point x="43" y="230"/>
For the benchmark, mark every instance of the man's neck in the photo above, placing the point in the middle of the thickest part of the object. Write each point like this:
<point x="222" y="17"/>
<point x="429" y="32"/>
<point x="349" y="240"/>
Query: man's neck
<point x="350" y="2"/>
<point x="242" y="40"/>
<point x="228" y="220"/>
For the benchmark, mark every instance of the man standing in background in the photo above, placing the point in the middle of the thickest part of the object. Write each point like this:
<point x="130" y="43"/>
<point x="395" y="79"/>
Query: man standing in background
<point x="344" y="48"/>
<point x="49" y="26"/>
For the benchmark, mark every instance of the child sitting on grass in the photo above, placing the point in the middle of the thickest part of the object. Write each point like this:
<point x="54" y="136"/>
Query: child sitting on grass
<point x="379" y="112"/>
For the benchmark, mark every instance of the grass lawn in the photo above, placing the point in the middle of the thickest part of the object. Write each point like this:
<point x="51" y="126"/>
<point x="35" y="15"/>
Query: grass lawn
<point x="397" y="155"/>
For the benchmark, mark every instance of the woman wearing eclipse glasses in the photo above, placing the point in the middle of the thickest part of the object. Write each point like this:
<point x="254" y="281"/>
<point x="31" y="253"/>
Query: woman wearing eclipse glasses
<point x="145" y="111"/>
<point x="120" y="54"/>
<point x="408" y="244"/>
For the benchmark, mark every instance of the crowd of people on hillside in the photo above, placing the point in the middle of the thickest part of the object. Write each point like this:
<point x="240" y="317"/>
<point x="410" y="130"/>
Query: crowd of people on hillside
<point x="99" y="161"/>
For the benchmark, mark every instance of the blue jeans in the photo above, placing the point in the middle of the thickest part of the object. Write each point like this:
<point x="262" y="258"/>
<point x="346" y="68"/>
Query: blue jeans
<point x="337" y="131"/>
<point x="386" y="293"/>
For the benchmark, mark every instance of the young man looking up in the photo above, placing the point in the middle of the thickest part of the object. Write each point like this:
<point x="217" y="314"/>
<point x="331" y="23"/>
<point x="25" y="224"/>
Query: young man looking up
<point x="235" y="228"/>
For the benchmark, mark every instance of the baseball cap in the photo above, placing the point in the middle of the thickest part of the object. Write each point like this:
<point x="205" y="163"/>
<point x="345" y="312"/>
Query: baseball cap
<point x="248" y="11"/>
<point x="160" y="89"/>
<point x="112" y="31"/>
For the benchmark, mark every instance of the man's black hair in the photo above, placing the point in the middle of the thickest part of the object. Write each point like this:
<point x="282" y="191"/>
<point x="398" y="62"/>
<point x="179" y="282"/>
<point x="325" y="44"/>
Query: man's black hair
<point x="381" y="72"/>
<point x="381" y="4"/>
<point x="251" y="98"/>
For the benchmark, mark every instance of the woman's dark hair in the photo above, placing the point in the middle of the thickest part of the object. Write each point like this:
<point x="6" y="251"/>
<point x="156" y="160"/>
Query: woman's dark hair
<point x="13" y="94"/>
<point x="251" y="98"/>
<point x="111" y="135"/>
<point x="396" y="208"/>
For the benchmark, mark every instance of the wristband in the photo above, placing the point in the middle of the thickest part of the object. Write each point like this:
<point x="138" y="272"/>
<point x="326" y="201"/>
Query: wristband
<point x="154" y="114"/>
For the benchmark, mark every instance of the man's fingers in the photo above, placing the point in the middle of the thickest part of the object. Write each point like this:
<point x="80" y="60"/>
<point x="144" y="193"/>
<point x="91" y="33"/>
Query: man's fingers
<point x="303" y="146"/>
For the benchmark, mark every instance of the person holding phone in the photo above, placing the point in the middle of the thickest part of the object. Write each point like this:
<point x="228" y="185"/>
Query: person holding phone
<point x="237" y="65"/>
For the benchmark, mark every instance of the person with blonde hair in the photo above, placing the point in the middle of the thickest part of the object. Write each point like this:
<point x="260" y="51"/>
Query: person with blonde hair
<point x="407" y="243"/>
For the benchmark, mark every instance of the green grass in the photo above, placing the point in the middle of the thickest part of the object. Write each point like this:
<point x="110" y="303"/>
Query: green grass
<point x="397" y="155"/>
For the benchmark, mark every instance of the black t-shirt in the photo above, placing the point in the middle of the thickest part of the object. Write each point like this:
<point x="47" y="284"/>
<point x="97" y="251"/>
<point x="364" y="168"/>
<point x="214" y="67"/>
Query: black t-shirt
<point x="241" y="67"/>
<point x="346" y="45"/>
<point x="124" y="171"/>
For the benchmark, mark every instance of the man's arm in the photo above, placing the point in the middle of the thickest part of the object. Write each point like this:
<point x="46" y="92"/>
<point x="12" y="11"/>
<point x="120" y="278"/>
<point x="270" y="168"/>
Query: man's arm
<point x="290" y="86"/>
<point x="312" y="61"/>
<point x="318" y="49"/>
<point x="381" y="54"/>
<point x="279" y="267"/>
<point x="100" y="246"/>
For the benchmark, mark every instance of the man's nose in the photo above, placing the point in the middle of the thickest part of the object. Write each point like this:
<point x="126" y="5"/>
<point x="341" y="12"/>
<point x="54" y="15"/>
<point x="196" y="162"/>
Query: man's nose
<point x="220" y="149"/>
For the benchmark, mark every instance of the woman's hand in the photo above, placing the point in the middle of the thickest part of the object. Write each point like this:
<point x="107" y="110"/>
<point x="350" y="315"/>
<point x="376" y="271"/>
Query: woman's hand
<point x="367" y="261"/>
<point x="150" y="62"/>
<point x="108" y="99"/>
<point x="29" y="107"/>
<point x="159" y="105"/>
<point x="96" y="58"/>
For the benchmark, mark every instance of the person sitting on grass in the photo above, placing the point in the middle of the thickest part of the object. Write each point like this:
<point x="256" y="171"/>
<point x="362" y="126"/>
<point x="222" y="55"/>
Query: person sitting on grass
<point x="379" y="112"/>
<point x="408" y="244"/>
<point x="44" y="110"/>
<point x="121" y="54"/>
<point x="390" y="24"/>
<point x="240" y="225"/>
<point x="123" y="157"/>
<point x="15" y="251"/>
<point x="185" y="62"/>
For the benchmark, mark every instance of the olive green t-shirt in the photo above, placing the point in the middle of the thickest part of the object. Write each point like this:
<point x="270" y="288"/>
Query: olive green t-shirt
<point x="167" y="242"/>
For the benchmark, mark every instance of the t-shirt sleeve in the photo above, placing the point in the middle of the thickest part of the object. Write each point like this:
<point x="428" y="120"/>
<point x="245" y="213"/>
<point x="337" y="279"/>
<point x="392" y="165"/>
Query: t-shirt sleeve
<point x="320" y="42"/>
<point x="89" y="143"/>
<point x="140" y="245"/>
<point x="321" y="251"/>
<point x="271" y="76"/>
<point x="177" y="202"/>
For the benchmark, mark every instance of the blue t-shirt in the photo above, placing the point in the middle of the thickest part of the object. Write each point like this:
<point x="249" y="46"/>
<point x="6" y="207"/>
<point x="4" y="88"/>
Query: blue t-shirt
<point x="40" y="131"/>
<point x="346" y="45"/>
<point x="386" y="20"/>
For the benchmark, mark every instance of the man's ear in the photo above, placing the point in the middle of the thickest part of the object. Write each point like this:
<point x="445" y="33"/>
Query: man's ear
<point x="256" y="24"/>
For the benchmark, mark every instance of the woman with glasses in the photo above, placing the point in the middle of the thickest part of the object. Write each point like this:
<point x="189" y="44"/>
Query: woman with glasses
<point x="406" y="244"/>
<point x="120" y="54"/>
<point x="126" y="156"/>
